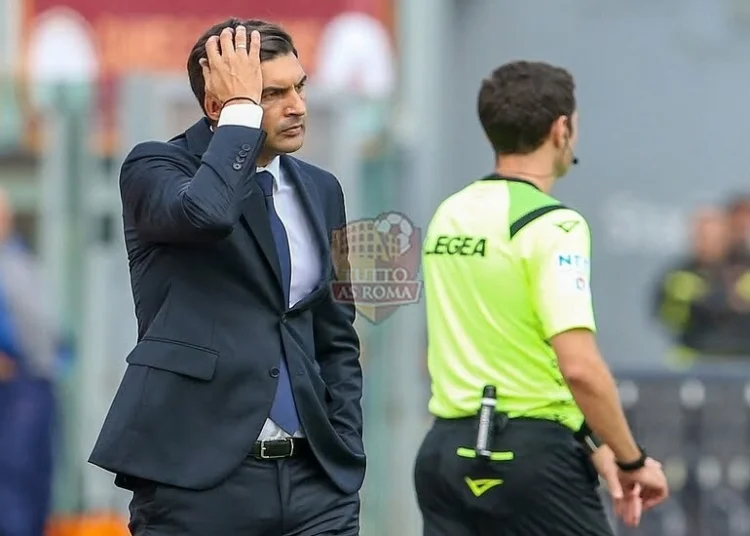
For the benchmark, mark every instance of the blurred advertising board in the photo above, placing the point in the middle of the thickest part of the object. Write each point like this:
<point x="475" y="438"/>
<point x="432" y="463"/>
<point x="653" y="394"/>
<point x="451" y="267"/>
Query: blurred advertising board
<point x="105" y="40"/>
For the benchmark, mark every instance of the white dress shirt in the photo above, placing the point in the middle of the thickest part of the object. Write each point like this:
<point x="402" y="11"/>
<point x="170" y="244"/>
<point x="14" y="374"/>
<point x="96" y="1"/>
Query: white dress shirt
<point x="306" y="266"/>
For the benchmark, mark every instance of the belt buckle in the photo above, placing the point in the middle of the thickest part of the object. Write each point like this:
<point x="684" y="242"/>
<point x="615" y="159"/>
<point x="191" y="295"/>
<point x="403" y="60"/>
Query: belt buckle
<point x="265" y="456"/>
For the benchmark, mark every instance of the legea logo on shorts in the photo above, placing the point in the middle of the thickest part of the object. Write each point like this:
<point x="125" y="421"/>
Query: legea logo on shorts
<point x="383" y="262"/>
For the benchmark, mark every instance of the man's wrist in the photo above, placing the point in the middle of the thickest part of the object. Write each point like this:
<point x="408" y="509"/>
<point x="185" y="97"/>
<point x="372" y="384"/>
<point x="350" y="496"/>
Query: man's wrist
<point x="235" y="100"/>
<point x="633" y="464"/>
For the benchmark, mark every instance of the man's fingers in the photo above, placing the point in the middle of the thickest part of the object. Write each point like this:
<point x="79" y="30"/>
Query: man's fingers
<point x="634" y="506"/>
<point x="212" y="51"/>
<point x="630" y="507"/>
<point x="254" y="49"/>
<point x="632" y="512"/>
<point x="203" y="62"/>
<point x="227" y="45"/>
<point x="613" y="485"/>
<point x="240" y="39"/>
<point x="628" y="510"/>
<point x="650" y="502"/>
<point x="652" y="497"/>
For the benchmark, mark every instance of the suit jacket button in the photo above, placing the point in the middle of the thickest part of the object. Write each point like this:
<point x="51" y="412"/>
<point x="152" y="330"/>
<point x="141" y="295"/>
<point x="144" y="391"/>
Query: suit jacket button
<point x="237" y="166"/>
<point x="240" y="160"/>
<point x="274" y="372"/>
<point x="283" y="319"/>
<point x="243" y="153"/>
<point x="246" y="147"/>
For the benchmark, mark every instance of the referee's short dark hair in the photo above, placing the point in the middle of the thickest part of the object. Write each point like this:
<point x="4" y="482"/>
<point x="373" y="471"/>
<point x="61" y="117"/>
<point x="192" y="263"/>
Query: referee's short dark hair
<point x="519" y="102"/>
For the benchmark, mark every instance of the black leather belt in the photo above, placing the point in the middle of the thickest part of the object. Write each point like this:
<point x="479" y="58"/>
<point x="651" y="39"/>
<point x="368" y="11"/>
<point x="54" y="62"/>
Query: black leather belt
<point x="273" y="449"/>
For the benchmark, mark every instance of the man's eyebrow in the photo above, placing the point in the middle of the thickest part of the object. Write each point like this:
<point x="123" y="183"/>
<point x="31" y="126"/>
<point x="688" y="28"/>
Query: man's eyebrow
<point x="280" y="88"/>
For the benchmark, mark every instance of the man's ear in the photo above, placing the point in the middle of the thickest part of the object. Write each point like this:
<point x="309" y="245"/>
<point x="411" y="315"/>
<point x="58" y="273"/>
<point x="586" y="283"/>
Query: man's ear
<point x="560" y="132"/>
<point x="212" y="109"/>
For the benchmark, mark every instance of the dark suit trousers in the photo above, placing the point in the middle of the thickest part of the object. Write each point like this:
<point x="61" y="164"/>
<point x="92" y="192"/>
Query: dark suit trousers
<point x="286" y="497"/>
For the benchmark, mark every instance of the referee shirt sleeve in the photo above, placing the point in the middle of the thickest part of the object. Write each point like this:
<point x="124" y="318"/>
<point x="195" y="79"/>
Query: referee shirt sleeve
<point x="558" y="251"/>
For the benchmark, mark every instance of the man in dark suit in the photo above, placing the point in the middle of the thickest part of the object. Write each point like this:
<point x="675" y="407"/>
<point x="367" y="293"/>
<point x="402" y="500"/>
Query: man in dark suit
<point x="239" y="412"/>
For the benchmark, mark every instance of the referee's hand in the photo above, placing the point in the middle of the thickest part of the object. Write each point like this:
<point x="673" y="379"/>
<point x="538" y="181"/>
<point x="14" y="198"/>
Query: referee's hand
<point x="628" y="505"/>
<point x="651" y="481"/>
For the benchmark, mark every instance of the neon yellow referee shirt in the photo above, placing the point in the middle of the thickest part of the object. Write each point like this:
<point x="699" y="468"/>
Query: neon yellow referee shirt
<point x="506" y="267"/>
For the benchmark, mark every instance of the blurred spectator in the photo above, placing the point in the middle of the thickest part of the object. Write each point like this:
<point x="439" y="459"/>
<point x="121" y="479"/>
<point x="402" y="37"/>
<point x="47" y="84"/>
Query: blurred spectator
<point x="704" y="300"/>
<point x="356" y="56"/>
<point x="739" y="221"/>
<point x="27" y="357"/>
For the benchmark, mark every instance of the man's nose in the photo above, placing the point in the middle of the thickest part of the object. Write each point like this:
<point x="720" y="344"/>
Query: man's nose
<point x="297" y="105"/>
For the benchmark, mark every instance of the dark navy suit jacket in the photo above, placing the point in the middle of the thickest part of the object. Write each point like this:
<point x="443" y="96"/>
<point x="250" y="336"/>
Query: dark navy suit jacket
<point x="213" y="323"/>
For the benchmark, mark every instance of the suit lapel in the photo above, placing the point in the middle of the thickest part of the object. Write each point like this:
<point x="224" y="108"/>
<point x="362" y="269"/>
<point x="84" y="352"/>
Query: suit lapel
<point x="308" y="194"/>
<point x="255" y="218"/>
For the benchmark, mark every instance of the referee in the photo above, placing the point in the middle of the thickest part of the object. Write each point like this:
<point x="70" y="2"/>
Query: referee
<point x="506" y="274"/>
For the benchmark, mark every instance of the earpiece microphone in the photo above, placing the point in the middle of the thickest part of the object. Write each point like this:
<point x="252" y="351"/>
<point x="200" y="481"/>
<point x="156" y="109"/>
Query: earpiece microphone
<point x="574" y="161"/>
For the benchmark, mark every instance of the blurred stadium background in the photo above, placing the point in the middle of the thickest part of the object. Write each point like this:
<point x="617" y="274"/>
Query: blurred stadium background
<point x="662" y="90"/>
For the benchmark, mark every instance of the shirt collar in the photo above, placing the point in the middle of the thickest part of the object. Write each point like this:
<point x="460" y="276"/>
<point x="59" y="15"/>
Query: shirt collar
<point x="274" y="168"/>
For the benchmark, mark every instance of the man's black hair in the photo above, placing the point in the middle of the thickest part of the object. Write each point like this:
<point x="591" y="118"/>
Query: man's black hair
<point x="520" y="101"/>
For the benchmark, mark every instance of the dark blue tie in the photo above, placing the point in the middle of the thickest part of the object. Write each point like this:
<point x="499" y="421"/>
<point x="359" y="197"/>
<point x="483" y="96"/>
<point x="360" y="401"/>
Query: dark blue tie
<point x="284" y="410"/>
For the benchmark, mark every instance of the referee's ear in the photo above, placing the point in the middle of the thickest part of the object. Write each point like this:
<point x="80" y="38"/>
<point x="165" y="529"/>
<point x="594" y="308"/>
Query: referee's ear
<point x="561" y="133"/>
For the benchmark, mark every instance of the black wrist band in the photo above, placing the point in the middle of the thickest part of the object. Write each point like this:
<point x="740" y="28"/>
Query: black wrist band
<point x="628" y="467"/>
<point x="234" y="99"/>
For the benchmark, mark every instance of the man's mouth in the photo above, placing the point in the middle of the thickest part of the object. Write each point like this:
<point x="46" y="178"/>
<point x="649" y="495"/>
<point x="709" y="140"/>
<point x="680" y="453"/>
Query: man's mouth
<point x="291" y="131"/>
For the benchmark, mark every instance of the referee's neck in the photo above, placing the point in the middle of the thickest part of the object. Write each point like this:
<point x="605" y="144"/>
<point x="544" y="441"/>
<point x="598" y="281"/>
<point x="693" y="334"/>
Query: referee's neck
<point x="528" y="168"/>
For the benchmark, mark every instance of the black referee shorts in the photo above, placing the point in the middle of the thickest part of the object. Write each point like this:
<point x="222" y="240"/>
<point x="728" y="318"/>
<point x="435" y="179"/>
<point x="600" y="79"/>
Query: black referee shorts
<point x="548" y="488"/>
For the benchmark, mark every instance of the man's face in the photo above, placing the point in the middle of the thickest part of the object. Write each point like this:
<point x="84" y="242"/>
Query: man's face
<point x="283" y="102"/>
<point x="710" y="235"/>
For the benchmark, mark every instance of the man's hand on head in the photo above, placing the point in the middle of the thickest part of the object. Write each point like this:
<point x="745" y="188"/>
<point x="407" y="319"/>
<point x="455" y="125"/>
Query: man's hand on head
<point x="231" y="69"/>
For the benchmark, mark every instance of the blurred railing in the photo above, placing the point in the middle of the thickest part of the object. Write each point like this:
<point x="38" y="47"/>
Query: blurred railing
<point x="697" y="423"/>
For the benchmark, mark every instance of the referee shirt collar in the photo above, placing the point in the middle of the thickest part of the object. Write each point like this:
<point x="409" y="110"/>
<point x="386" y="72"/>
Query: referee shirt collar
<point x="498" y="177"/>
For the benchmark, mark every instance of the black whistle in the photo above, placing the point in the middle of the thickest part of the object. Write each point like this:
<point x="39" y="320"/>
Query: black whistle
<point x="486" y="421"/>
